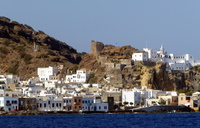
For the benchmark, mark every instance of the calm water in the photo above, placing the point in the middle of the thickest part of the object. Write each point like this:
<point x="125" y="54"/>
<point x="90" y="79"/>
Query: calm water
<point x="157" y="120"/>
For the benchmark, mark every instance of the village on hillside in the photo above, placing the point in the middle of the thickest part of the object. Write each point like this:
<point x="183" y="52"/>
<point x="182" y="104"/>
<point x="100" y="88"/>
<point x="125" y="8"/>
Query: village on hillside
<point x="49" y="92"/>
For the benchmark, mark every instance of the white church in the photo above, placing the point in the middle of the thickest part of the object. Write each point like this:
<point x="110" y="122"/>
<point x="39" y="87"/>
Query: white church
<point x="175" y="61"/>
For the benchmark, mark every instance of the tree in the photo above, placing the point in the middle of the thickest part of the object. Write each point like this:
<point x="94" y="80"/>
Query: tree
<point x="131" y="103"/>
<point x="125" y="103"/>
<point x="182" y="91"/>
<point x="2" y="82"/>
<point x="27" y="58"/>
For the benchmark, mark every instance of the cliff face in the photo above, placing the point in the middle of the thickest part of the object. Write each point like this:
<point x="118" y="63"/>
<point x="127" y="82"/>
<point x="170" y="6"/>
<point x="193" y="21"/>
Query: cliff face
<point x="23" y="49"/>
<point x="156" y="77"/>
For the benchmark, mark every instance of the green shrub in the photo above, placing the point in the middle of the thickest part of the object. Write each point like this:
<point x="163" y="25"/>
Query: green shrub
<point x="92" y="78"/>
<point x="44" y="56"/>
<point x="51" y="53"/>
<point x="41" y="32"/>
<point x="182" y="91"/>
<point x="22" y="54"/>
<point x="125" y="103"/>
<point x="20" y="48"/>
<point x="15" y="22"/>
<point x="3" y="18"/>
<point x="2" y="82"/>
<point x="6" y="43"/>
<point x="12" y="70"/>
<point x="27" y="26"/>
<point x="27" y="58"/>
<point x="4" y="50"/>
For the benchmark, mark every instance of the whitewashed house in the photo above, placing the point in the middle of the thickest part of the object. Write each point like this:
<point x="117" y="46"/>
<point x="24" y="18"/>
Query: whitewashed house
<point x="87" y="103"/>
<point x="131" y="95"/>
<point x="68" y="103"/>
<point x="99" y="105"/>
<point x="9" y="79"/>
<point x="45" y="74"/>
<point x="140" y="56"/>
<point x="47" y="104"/>
<point x="9" y="103"/>
<point x="81" y="76"/>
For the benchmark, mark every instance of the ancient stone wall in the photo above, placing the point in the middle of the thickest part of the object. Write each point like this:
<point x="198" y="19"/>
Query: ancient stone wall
<point x="127" y="62"/>
<point x="96" y="47"/>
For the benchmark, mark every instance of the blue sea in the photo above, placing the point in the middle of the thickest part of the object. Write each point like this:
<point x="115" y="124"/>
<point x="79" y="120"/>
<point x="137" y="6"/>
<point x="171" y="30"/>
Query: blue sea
<point x="152" y="120"/>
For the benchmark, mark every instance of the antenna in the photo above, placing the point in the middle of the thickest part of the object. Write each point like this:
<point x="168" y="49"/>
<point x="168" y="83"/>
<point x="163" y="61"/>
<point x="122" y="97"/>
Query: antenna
<point x="146" y="44"/>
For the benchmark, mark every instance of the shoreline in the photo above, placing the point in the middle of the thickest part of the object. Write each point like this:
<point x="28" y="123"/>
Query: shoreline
<point x="18" y="113"/>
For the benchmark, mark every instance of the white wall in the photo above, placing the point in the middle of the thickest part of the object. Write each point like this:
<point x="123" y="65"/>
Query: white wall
<point x="133" y="96"/>
<point x="9" y="103"/>
<point x="140" y="56"/>
<point x="101" y="107"/>
<point x="45" y="73"/>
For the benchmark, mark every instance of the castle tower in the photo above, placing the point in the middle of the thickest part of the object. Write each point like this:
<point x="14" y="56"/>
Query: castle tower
<point x="96" y="47"/>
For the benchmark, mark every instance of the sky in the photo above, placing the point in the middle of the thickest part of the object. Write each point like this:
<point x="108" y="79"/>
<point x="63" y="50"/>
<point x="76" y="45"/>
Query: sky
<point x="138" y="23"/>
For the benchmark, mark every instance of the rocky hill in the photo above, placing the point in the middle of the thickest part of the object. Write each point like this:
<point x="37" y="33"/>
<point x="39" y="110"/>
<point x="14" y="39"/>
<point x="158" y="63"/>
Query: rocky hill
<point x="22" y="49"/>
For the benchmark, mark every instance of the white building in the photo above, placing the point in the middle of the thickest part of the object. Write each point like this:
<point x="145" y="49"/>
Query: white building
<point x="46" y="73"/>
<point x="131" y="95"/>
<point x="47" y="104"/>
<point x="9" y="79"/>
<point x="140" y="56"/>
<point x="94" y="104"/>
<point x="87" y="103"/>
<point x="9" y="103"/>
<point x="68" y="103"/>
<point x="81" y="76"/>
<point x="175" y="61"/>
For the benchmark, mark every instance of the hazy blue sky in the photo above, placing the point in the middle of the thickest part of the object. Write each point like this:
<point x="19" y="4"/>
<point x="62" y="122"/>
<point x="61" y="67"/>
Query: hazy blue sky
<point x="174" y="23"/>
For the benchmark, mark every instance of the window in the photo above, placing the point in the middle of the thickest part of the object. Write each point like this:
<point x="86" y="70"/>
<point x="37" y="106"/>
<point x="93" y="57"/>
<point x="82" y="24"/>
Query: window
<point x="45" y="105"/>
<point x="195" y="103"/>
<point x="105" y="107"/>
<point x="52" y="104"/>
<point x="40" y="105"/>
<point x="56" y="104"/>
<point x="187" y="98"/>
<point x="59" y="104"/>
<point x="99" y="107"/>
